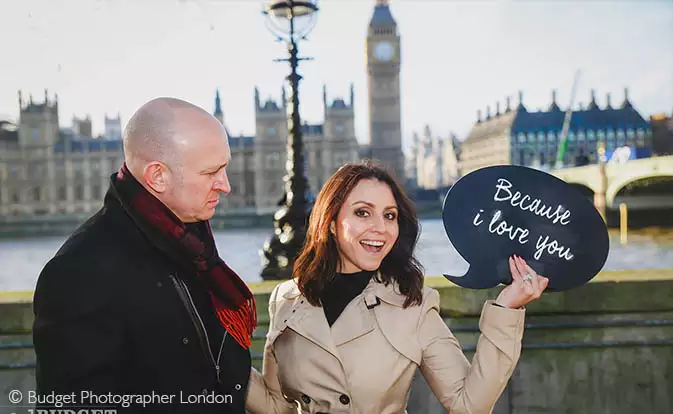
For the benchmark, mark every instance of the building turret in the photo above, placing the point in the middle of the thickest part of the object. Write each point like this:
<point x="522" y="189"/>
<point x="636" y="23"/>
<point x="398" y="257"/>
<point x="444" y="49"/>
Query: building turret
<point x="553" y="107"/>
<point x="593" y="106"/>
<point x="218" y="107"/>
<point x="626" y="103"/>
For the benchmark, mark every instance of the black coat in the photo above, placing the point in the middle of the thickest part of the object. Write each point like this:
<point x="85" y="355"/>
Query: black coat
<point x="113" y="316"/>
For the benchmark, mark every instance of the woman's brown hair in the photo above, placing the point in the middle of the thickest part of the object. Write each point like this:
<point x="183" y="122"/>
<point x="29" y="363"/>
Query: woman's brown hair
<point x="316" y="264"/>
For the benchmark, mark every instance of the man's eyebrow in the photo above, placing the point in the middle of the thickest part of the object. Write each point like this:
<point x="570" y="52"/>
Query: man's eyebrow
<point x="214" y="169"/>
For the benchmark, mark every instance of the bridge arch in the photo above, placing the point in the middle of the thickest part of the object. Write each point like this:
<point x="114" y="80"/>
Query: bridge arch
<point x="661" y="182"/>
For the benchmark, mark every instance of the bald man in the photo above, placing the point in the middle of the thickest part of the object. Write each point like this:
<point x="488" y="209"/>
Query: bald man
<point x="137" y="310"/>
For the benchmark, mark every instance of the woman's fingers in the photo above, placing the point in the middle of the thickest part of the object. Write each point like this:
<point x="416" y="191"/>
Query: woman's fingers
<point x="529" y="285"/>
<point x="519" y="266"/>
<point x="512" y="268"/>
<point x="540" y="282"/>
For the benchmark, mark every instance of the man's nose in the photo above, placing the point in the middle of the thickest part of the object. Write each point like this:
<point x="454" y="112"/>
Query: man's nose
<point x="222" y="183"/>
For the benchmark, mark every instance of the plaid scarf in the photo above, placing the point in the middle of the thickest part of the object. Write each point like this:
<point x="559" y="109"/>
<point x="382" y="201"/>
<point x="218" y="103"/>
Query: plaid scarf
<point x="230" y="296"/>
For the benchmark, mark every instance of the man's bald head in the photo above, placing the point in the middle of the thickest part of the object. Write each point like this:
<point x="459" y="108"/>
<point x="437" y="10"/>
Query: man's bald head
<point x="179" y="152"/>
<point x="160" y="130"/>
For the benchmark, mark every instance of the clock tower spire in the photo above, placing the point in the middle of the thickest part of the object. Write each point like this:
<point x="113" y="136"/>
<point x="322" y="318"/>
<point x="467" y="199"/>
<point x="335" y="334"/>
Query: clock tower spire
<point x="383" y="72"/>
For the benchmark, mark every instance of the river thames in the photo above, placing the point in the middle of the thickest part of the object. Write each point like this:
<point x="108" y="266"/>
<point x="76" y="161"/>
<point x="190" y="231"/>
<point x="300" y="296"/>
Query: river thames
<point x="22" y="259"/>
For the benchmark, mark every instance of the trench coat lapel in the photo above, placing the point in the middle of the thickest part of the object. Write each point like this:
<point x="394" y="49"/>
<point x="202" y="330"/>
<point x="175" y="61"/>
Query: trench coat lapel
<point x="387" y="317"/>
<point x="309" y="321"/>
<point x="355" y="321"/>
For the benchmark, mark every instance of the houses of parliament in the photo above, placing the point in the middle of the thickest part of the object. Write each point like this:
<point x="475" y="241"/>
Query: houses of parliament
<point x="49" y="170"/>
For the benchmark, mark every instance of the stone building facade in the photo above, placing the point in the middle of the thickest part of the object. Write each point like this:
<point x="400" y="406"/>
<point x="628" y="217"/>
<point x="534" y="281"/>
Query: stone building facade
<point x="521" y="137"/>
<point x="258" y="162"/>
<point x="45" y="170"/>
<point x="48" y="170"/>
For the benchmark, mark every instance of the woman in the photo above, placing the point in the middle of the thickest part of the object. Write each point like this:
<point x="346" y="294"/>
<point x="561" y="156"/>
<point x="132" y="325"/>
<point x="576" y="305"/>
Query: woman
<point x="348" y="332"/>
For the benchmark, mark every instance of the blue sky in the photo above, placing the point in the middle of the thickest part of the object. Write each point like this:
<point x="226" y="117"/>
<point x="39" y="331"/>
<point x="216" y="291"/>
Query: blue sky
<point x="458" y="56"/>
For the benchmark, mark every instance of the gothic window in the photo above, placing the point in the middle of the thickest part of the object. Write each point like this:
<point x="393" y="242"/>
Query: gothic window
<point x="79" y="193"/>
<point x="62" y="194"/>
<point x="581" y="137"/>
<point x="522" y="137"/>
<point x="339" y="127"/>
<point x="15" y="197"/>
<point x="620" y="134"/>
<point x="531" y="137"/>
<point x="36" y="194"/>
<point x="601" y="135"/>
<point x="540" y="136"/>
<point x="611" y="134"/>
<point x="591" y="136"/>
<point x="571" y="136"/>
<point x="36" y="134"/>
<point x="271" y="132"/>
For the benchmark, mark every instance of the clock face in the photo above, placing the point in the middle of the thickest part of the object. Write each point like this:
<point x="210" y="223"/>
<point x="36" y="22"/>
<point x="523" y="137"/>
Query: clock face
<point x="384" y="51"/>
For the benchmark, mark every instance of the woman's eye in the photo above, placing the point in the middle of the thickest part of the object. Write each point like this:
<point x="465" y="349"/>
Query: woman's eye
<point x="391" y="216"/>
<point x="362" y="213"/>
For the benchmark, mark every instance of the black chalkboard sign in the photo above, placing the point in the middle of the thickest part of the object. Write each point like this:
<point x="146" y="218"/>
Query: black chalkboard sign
<point x="495" y="212"/>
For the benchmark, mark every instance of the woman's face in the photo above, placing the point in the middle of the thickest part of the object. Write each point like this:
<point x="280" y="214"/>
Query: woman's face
<point x="366" y="226"/>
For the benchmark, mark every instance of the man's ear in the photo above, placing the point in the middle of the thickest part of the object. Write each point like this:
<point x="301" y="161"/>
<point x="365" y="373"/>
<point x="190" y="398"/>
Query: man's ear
<point x="157" y="176"/>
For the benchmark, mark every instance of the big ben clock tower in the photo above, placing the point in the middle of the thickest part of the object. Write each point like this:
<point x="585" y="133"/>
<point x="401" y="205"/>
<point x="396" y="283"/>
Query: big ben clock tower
<point x="383" y="70"/>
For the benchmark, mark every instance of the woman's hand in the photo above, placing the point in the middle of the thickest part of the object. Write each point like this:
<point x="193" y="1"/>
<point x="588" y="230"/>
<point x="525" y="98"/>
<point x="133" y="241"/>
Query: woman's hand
<point x="526" y="285"/>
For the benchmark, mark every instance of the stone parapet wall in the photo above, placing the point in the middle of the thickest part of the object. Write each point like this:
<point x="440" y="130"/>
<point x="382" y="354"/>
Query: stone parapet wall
<point x="606" y="347"/>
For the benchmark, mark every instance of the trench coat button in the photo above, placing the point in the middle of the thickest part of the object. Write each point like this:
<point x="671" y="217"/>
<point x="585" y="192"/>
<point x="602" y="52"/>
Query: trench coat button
<point x="185" y="340"/>
<point x="344" y="399"/>
<point x="306" y="399"/>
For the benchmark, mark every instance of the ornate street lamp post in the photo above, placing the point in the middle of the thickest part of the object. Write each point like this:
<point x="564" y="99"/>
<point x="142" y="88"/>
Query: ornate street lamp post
<point x="289" y="21"/>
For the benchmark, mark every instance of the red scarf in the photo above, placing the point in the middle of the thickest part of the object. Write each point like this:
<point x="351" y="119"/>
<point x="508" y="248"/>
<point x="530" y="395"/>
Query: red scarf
<point x="230" y="296"/>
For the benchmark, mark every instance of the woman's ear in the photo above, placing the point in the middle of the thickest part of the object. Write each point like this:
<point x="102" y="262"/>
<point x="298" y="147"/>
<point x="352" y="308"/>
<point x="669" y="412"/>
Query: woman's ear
<point x="332" y="228"/>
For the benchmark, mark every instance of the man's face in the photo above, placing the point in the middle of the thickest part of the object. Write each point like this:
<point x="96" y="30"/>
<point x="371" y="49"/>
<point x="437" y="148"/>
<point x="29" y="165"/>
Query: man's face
<point x="199" y="176"/>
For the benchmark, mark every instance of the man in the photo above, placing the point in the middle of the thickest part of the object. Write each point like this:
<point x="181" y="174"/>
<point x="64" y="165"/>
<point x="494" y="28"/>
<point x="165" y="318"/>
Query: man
<point x="137" y="303"/>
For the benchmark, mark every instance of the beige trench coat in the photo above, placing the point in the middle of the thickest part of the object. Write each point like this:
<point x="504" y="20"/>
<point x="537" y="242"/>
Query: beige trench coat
<point x="366" y="361"/>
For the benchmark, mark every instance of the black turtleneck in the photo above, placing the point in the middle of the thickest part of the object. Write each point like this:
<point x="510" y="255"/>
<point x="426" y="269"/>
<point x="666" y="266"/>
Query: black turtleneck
<point x="341" y="291"/>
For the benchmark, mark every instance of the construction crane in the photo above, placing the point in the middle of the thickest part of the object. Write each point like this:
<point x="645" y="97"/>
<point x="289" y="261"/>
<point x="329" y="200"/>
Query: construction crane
<point x="563" y="139"/>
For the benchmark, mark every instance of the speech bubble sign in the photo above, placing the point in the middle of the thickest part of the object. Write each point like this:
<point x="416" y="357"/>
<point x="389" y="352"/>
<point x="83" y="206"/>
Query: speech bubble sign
<point x="495" y="212"/>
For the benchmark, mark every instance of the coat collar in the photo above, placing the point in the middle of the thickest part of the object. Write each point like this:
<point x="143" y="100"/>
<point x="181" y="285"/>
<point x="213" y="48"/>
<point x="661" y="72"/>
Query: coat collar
<point x="388" y="293"/>
<point x="357" y="319"/>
